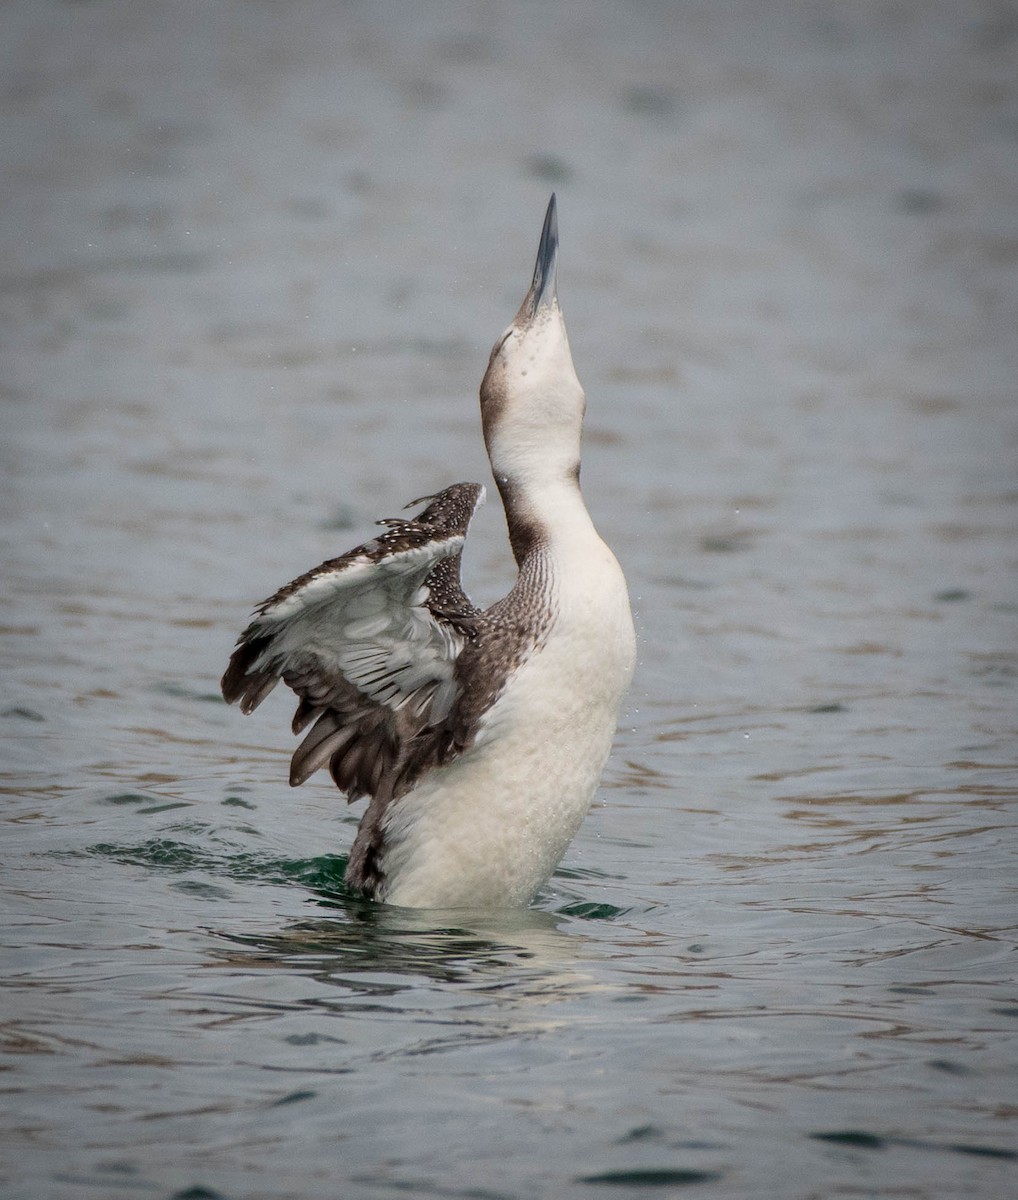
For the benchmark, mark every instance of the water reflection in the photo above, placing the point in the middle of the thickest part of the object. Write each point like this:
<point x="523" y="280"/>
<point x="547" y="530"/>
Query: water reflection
<point x="380" y="950"/>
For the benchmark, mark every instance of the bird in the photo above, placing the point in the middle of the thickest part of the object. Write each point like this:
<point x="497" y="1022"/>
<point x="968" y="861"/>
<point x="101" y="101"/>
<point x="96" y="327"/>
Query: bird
<point x="478" y="737"/>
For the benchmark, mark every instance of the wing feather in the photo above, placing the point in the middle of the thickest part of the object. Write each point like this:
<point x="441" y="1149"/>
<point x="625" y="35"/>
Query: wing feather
<point x="369" y="643"/>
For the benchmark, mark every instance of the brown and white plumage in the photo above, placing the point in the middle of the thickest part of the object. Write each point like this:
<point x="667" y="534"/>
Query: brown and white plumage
<point x="369" y="642"/>
<point x="479" y="737"/>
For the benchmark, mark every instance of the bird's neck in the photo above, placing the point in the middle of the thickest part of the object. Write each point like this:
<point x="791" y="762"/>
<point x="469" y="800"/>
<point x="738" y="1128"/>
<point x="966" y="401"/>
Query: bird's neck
<point x="545" y="513"/>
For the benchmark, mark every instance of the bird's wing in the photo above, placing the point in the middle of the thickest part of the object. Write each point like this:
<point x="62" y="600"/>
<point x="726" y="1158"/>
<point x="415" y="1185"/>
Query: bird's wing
<point x="369" y="643"/>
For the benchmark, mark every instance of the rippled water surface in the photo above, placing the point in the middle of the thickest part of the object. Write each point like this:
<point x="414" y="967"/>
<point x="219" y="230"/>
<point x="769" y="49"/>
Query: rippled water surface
<point x="254" y="257"/>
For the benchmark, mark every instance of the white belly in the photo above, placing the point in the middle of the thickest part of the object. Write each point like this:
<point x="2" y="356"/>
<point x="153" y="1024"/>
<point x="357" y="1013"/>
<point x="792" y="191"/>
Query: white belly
<point x="489" y="829"/>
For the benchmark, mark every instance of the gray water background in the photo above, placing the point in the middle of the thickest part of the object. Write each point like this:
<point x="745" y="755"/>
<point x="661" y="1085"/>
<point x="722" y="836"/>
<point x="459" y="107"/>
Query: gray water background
<point x="254" y="257"/>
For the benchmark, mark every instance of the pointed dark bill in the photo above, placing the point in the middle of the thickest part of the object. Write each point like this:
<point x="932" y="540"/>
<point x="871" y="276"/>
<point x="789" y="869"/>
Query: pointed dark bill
<point x="543" y="289"/>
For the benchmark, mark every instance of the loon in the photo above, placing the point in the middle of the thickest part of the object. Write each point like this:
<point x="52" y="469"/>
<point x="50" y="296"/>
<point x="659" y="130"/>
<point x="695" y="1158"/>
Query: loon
<point x="478" y="737"/>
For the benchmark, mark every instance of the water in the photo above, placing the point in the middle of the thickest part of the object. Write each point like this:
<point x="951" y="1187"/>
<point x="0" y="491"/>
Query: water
<point x="254" y="258"/>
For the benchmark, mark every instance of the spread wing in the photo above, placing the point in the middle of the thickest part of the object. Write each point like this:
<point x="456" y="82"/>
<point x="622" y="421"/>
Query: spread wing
<point x="369" y="643"/>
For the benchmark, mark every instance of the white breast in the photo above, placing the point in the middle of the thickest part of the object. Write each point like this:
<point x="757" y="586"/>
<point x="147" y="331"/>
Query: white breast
<point x="489" y="829"/>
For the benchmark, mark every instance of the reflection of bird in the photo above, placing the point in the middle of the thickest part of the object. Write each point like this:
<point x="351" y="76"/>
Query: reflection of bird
<point x="479" y="737"/>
